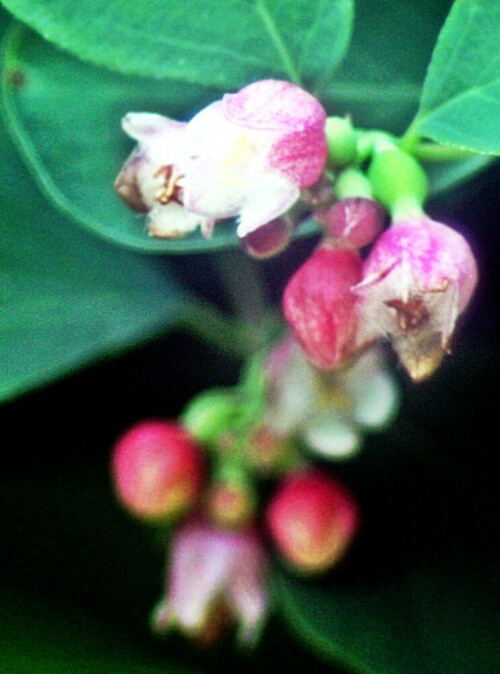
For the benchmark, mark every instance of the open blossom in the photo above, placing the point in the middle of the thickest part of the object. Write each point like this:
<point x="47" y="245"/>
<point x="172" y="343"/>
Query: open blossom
<point x="247" y="155"/>
<point x="330" y="410"/>
<point x="419" y="277"/>
<point x="214" y="574"/>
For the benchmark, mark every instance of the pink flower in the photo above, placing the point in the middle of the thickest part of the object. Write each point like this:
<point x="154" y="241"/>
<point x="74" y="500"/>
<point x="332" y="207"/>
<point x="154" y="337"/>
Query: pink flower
<point x="419" y="277"/>
<point x="247" y="155"/>
<point x="214" y="572"/>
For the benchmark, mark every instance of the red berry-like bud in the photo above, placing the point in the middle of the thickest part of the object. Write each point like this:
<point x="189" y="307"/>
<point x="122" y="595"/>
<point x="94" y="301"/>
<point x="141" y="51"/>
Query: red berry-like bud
<point x="355" y="222"/>
<point x="319" y="305"/>
<point x="157" y="470"/>
<point x="312" y="519"/>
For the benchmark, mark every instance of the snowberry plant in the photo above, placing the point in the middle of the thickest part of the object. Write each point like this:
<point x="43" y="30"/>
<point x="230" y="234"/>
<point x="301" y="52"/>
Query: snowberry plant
<point x="318" y="155"/>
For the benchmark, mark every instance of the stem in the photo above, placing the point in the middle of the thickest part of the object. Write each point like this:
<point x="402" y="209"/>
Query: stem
<point x="209" y="324"/>
<point x="242" y="284"/>
<point x="440" y="153"/>
<point x="277" y="41"/>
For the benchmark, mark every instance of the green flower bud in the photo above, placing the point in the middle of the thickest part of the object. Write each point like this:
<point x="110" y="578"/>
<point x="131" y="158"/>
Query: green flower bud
<point x="210" y="414"/>
<point x="341" y="139"/>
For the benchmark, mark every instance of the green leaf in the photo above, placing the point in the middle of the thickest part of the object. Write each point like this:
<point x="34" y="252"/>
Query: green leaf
<point x="207" y="42"/>
<point x="460" y="102"/>
<point x="67" y="298"/>
<point x="380" y="80"/>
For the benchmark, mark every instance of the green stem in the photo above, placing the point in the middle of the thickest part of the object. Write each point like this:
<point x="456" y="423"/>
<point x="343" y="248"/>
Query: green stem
<point x="278" y="41"/>
<point x="226" y="334"/>
<point x="432" y="152"/>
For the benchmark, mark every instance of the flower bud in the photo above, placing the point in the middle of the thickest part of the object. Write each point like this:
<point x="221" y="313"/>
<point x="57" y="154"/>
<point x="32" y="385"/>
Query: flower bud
<point x="157" y="470"/>
<point x="231" y="502"/>
<point x="268" y="452"/>
<point x="419" y="277"/>
<point x="355" y="222"/>
<point x="312" y="520"/>
<point x="209" y="415"/>
<point x="319" y="305"/>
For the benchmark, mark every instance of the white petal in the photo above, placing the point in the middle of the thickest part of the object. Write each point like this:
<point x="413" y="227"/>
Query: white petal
<point x="332" y="437"/>
<point x="268" y="196"/>
<point x="376" y="400"/>
<point x="171" y="221"/>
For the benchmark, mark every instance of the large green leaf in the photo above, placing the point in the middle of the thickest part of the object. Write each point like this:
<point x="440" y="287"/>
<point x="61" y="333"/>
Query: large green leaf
<point x="67" y="298"/>
<point x="207" y="42"/>
<point x="460" y="102"/>
<point x="380" y="80"/>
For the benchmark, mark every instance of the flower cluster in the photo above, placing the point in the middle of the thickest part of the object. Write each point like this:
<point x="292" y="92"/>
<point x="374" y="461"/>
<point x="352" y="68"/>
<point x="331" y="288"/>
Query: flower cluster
<point x="268" y="156"/>
<point x="231" y="482"/>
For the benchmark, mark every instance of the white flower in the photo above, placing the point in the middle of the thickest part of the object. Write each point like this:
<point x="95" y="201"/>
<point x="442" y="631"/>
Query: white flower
<point x="330" y="410"/>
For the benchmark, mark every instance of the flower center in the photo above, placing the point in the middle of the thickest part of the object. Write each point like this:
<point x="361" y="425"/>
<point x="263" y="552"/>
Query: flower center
<point x="171" y="189"/>
<point x="410" y="315"/>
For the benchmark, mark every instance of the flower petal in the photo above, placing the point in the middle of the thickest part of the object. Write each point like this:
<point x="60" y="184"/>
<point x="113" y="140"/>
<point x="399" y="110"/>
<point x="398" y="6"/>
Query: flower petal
<point x="332" y="436"/>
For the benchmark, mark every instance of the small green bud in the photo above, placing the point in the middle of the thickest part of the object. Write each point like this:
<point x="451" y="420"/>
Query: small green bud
<point x="352" y="184"/>
<point x="341" y="139"/>
<point x="398" y="180"/>
<point x="210" y="414"/>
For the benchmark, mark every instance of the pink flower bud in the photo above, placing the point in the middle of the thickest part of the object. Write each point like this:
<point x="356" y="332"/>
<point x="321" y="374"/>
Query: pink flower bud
<point x="355" y="222"/>
<point x="419" y="277"/>
<point x="157" y="470"/>
<point x="312" y="520"/>
<point x="215" y="575"/>
<point x="319" y="305"/>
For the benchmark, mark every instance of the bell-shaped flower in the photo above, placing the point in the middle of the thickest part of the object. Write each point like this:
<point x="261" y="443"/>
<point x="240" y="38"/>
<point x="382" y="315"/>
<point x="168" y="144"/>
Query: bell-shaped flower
<point x="214" y="575"/>
<point x="418" y="278"/>
<point x="329" y="410"/>
<point x="248" y="155"/>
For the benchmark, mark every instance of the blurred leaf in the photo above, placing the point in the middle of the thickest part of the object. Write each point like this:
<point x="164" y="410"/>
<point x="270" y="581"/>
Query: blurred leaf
<point x="207" y="42"/>
<point x="418" y="592"/>
<point x="444" y="176"/>
<point x="46" y="637"/>
<point x="460" y="102"/>
<point x="67" y="298"/>
<point x="380" y="80"/>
